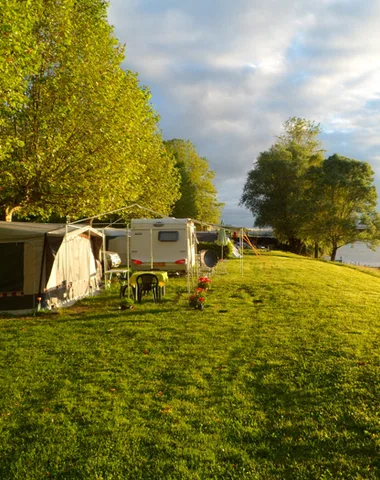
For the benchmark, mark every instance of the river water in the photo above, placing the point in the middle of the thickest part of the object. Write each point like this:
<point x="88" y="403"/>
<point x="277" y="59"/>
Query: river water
<point x="359" y="254"/>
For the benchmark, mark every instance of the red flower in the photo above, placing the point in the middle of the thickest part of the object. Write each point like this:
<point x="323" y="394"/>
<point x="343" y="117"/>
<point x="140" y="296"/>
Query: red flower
<point x="204" y="280"/>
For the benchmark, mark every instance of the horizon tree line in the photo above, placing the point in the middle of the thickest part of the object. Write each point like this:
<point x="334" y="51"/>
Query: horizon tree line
<point x="309" y="200"/>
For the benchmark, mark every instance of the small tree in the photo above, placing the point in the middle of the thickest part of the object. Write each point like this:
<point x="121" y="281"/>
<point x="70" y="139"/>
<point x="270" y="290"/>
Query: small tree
<point x="275" y="185"/>
<point x="340" y="202"/>
<point x="198" y="194"/>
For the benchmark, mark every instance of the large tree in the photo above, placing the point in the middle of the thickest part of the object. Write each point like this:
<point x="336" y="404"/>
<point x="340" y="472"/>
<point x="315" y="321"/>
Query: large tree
<point x="78" y="133"/>
<point x="274" y="187"/>
<point x="341" y="203"/>
<point x="198" y="194"/>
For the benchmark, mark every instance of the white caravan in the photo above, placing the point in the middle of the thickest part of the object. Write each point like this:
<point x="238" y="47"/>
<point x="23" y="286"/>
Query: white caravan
<point x="163" y="244"/>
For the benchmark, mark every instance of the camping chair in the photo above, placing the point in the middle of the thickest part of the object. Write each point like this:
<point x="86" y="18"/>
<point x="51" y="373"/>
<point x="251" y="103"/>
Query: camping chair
<point x="123" y="281"/>
<point x="145" y="283"/>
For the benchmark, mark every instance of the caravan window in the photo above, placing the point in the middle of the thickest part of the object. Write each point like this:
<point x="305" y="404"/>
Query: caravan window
<point x="168" y="236"/>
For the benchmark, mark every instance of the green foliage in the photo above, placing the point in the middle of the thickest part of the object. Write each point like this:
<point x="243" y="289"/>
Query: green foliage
<point x="227" y="249"/>
<point x="198" y="195"/>
<point x="126" y="301"/>
<point x="301" y="140"/>
<point x="278" y="378"/>
<point x="308" y="200"/>
<point x="274" y="186"/>
<point x="80" y="134"/>
<point x="341" y="198"/>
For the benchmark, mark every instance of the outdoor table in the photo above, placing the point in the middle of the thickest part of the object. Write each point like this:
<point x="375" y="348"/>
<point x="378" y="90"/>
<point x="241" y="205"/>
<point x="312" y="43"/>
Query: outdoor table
<point x="114" y="271"/>
<point x="162" y="279"/>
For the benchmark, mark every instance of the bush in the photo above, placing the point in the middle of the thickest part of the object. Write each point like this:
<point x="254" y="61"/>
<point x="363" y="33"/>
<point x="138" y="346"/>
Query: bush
<point x="126" y="304"/>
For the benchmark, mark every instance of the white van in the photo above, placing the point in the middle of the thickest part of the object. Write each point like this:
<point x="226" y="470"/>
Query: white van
<point x="163" y="244"/>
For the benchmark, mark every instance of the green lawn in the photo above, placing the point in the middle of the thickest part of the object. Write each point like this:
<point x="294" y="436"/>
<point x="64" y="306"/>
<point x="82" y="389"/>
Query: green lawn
<point x="278" y="378"/>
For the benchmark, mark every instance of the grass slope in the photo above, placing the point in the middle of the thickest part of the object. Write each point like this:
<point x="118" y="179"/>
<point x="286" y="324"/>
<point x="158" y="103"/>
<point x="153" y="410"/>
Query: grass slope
<point x="278" y="378"/>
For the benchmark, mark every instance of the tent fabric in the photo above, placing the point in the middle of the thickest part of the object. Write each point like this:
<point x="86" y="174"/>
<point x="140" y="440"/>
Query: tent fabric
<point x="32" y="236"/>
<point x="56" y="262"/>
<point x="25" y="230"/>
<point x="222" y="236"/>
<point x="235" y="252"/>
<point x="12" y="267"/>
<point x="222" y="240"/>
<point x="75" y="261"/>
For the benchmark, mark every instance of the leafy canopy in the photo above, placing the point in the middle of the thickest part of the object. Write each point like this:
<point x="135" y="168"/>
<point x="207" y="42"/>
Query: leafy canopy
<point x="78" y="133"/>
<point x="198" y="194"/>
<point x="274" y="186"/>
<point x="309" y="200"/>
<point x="341" y="203"/>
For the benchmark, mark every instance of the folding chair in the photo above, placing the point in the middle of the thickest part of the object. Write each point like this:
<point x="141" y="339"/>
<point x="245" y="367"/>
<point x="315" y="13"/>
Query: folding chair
<point x="145" y="283"/>
<point x="123" y="282"/>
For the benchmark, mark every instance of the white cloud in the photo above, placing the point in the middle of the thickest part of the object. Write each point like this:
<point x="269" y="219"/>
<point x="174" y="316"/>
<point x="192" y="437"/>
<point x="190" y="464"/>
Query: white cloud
<point x="226" y="75"/>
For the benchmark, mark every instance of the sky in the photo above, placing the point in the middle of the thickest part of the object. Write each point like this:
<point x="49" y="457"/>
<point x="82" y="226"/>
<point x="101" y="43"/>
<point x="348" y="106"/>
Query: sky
<point x="226" y="75"/>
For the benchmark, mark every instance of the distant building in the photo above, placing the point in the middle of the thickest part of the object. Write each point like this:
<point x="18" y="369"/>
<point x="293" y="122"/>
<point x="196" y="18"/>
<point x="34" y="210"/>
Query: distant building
<point x="207" y="236"/>
<point x="263" y="237"/>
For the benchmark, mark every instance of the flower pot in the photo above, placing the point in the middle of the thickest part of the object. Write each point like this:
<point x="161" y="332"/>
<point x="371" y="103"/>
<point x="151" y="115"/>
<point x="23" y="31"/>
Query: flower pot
<point x="127" y="307"/>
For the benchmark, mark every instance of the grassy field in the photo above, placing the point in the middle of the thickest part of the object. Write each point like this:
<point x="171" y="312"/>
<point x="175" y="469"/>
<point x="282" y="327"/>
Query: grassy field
<point x="278" y="378"/>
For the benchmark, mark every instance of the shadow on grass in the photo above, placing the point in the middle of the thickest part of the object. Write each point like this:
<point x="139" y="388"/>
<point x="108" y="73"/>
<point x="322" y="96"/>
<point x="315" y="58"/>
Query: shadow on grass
<point x="299" y="427"/>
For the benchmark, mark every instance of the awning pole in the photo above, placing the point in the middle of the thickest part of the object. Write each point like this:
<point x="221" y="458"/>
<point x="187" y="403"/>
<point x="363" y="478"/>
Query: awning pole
<point x="67" y="259"/>
<point x="242" y="252"/>
<point x="151" y="248"/>
<point x="189" y="255"/>
<point x="104" y="258"/>
<point x="126" y="232"/>
<point x="89" y="250"/>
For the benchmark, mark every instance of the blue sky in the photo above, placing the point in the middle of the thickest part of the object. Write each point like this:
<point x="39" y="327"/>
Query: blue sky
<point x="227" y="75"/>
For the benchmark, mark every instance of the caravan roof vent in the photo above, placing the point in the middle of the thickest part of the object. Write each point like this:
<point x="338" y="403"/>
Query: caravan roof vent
<point x="158" y="224"/>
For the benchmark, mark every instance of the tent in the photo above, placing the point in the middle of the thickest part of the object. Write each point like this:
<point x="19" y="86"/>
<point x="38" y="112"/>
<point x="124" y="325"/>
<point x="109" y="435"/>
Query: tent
<point x="47" y="265"/>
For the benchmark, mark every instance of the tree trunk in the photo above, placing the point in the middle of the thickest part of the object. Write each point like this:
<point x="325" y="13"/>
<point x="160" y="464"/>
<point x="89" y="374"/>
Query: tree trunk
<point x="296" y="245"/>
<point x="9" y="211"/>
<point x="293" y="245"/>
<point x="333" y="252"/>
<point x="316" y="250"/>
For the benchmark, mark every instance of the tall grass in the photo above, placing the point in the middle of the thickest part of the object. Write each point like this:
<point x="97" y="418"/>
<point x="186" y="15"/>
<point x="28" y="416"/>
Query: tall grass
<point x="278" y="378"/>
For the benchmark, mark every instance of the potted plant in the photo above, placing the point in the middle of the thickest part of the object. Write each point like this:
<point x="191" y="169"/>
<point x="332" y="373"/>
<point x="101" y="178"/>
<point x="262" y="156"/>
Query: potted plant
<point x="126" y="304"/>
<point x="204" y="282"/>
<point x="197" y="299"/>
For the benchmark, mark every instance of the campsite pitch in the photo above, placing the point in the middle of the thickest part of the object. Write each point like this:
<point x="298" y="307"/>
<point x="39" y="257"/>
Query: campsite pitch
<point x="277" y="378"/>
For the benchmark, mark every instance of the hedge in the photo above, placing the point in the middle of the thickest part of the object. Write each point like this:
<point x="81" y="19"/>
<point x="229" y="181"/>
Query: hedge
<point x="227" y="249"/>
